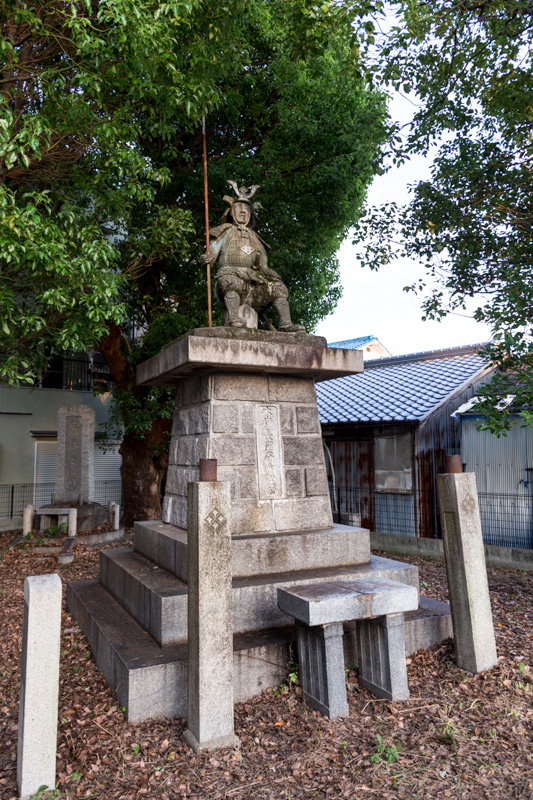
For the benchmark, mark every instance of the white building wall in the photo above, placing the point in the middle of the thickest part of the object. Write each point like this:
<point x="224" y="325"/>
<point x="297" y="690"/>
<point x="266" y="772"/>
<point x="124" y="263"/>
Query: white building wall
<point x="26" y="410"/>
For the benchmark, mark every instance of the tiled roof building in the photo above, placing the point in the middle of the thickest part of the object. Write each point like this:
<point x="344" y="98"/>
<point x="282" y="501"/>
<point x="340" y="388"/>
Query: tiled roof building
<point x="388" y="430"/>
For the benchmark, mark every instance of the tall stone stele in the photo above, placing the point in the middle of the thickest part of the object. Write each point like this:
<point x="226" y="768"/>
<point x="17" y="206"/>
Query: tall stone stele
<point x="75" y="455"/>
<point x="74" y="471"/>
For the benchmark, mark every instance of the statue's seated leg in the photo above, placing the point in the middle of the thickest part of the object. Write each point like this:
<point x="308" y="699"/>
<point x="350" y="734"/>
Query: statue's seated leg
<point x="229" y="289"/>
<point x="281" y="304"/>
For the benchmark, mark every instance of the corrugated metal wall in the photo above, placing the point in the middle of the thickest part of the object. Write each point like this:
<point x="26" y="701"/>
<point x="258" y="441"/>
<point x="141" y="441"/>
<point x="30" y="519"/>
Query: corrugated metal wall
<point x="502" y="477"/>
<point x="500" y="464"/>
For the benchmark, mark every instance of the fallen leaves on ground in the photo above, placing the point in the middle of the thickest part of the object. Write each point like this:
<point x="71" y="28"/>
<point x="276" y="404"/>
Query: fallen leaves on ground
<point x="459" y="736"/>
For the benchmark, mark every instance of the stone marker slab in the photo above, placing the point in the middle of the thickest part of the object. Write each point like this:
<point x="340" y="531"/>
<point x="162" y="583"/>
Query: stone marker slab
<point x="475" y="645"/>
<point x="39" y="684"/>
<point x="341" y="601"/>
<point x="210" y="631"/>
<point x="75" y="454"/>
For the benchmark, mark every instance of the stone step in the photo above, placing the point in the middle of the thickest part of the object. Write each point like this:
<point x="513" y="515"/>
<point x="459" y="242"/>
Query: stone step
<point x="155" y="598"/>
<point x="158" y="600"/>
<point x="260" y="554"/>
<point x="151" y="681"/>
<point x="429" y="625"/>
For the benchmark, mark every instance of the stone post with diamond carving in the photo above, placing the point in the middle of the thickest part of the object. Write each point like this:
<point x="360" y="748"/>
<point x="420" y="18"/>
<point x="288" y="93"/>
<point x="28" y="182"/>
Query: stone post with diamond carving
<point x="210" y="629"/>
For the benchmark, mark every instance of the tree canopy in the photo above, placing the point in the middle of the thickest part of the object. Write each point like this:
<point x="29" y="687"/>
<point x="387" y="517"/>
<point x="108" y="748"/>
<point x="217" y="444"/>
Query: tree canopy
<point x="469" y="65"/>
<point x="101" y="188"/>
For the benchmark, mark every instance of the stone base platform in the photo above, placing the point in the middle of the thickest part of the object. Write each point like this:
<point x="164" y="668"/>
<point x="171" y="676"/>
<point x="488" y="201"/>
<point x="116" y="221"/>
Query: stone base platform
<point x="151" y="681"/>
<point x="260" y="553"/>
<point x="157" y="600"/>
<point x="90" y="515"/>
<point x="135" y="617"/>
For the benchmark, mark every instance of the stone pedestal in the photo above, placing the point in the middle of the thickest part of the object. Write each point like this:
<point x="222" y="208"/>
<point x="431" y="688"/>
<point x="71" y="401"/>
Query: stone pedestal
<point x="247" y="399"/>
<point x="264" y="432"/>
<point x="473" y="629"/>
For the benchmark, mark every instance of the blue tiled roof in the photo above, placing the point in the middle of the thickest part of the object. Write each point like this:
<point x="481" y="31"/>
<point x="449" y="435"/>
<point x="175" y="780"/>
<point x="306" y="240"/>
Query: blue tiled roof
<point x="354" y="344"/>
<point x="398" y="389"/>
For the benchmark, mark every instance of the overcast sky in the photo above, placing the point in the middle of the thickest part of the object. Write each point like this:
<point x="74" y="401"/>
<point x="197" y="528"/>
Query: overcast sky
<point x="374" y="303"/>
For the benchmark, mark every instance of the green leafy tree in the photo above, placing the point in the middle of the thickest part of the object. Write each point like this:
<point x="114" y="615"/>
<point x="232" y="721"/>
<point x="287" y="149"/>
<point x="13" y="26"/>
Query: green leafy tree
<point x="470" y="65"/>
<point x="116" y="90"/>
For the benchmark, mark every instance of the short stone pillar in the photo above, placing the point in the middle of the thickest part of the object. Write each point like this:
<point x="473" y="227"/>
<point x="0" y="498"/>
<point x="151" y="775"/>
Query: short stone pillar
<point x="27" y="520"/>
<point x="321" y="657"/>
<point x="115" y="522"/>
<point x="210" y="629"/>
<point x="39" y="684"/>
<point x="382" y="666"/>
<point x="72" y="521"/>
<point x="473" y="629"/>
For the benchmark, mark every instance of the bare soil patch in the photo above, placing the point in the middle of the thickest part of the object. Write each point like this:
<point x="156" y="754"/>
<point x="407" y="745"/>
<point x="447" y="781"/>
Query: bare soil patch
<point x="458" y="736"/>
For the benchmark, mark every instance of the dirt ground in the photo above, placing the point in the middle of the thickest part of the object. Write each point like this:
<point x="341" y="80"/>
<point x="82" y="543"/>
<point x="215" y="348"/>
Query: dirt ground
<point x="458" y="736"/>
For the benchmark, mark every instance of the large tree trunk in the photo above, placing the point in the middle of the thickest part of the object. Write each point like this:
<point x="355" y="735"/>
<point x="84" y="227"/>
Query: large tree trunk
<point x="144" y="459"/>
<point x="144" y="465"/>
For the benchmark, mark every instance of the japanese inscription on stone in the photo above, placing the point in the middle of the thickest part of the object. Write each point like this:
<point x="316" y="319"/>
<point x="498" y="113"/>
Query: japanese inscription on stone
<point x="73" y="454"/>
<point x="269" y="463"/>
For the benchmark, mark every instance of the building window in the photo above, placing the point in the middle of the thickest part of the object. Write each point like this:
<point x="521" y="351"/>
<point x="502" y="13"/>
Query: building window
<point x="82" y="372"/>
<point x="393" y="463"/>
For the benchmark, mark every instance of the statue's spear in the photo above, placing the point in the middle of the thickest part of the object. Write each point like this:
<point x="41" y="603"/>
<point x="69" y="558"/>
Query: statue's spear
<point x="206" y="203"/>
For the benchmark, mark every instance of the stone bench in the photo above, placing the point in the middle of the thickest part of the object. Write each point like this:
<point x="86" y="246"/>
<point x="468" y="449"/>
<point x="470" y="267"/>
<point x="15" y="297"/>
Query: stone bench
<point x="320" y="609"/>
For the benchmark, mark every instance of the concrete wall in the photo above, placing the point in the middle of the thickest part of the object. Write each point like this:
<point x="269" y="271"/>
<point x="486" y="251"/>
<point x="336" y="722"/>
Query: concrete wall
<point x="506" y="557"/>
<point x="25" y="410"/>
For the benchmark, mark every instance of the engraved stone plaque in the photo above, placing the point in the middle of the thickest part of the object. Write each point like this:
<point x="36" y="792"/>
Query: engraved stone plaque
<point x="269" y="458"/>
<point x="73" y="455"/>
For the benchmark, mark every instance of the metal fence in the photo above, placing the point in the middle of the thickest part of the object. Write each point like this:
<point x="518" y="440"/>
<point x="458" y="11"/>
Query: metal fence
<point x="82" y="373"/>
<point x="15" y="496"/>
<point x="506" y="519"/>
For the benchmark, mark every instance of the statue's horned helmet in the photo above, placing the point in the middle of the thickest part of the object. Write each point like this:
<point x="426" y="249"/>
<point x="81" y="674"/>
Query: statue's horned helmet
<point x="243" y="194"/>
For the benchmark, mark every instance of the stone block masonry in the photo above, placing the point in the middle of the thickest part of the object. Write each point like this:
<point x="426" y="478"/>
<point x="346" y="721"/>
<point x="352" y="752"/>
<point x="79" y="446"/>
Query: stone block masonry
<point x="264" y="431"/>
<point x="39" y="685"/>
